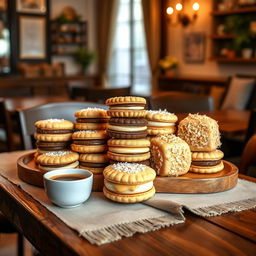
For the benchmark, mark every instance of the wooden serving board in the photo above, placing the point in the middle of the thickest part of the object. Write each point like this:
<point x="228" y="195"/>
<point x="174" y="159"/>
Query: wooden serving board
<point x="188" y="183"/>
<point x="28" y="172"/>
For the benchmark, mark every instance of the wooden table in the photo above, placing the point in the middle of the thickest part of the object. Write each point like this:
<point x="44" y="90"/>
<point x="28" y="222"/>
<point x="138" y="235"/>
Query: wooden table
<point x="230" y="121"/>
<point x="229" y="234"/>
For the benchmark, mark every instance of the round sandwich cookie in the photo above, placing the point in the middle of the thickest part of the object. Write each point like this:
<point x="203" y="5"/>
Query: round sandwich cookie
<point x="53" y="130"/>
<point x="161" y="122"/>
<point x="128" y="106"/>
<point x="127" y="128"/>
<point x="57" y="160"/>
<point x="128" y="182"/>
<point x="171" y="155"/>
<point x="89" y="141"/>
<point x="45" y="146"/>
<point x="91" y="119"/>
<point x="207" y="162"/>
<point x="200" y="132"/>
<point x="129" y="150"/>
<point x="93" y="162"/>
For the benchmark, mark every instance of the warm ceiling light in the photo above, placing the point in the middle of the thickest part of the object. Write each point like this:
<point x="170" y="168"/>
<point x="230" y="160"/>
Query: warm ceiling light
<point x="196" y="6"/>
<point x="178" y="6"/>
<point x="169" y="10"/>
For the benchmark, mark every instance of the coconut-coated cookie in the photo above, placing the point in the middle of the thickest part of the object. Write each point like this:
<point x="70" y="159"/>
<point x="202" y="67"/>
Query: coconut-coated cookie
<point x="171" y="155"/>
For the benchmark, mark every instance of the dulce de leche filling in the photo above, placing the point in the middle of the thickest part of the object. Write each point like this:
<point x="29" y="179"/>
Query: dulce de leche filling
<point x="206" y="163"/>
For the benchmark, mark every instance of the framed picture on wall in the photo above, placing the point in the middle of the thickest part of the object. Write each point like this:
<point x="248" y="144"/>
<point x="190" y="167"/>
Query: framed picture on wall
<point x="32" y="37"/>
<point x="31" y="6"/>
<point x="194" y="47"/>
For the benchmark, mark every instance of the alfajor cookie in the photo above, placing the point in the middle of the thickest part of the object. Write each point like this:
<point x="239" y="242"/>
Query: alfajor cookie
<point x="127" y="128"/>
<point x="161" y="122"/>
<point x="91" y="119"/>
<point x="128" y="106"/>
<point x="129" y="150"/>
<point x="53" y="135"/>
<point x="171" y="155"/>
<point x="89" y="141"/>
<point x="128" y="183"/>
<point x="93" y="162"/>
<point x="200" y="132"/>
<point x="57" y="160"/>
<point x="207" y="162"/>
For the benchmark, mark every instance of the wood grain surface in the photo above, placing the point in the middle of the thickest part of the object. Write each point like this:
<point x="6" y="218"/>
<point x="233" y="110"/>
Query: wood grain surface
<point x="197" y="236"/>
<point x="188" y="183"/>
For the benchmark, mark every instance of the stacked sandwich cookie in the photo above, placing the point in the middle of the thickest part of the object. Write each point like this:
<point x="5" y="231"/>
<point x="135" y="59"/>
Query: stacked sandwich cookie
<point x="53" y="135"/>
<point x="128" y="182"/>
<point x="92" y="147"/>
<point x="57" y="160"/>
<point x="161" y="122"/>
<point x="171" y="156"/>
<point x="90" y="139"/>
<point x="202" y="135"/>
<point x="128" y="130"/>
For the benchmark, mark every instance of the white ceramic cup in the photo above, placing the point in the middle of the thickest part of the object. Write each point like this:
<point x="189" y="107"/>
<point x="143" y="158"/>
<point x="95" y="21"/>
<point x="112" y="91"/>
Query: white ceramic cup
<point x="71" y="193"/>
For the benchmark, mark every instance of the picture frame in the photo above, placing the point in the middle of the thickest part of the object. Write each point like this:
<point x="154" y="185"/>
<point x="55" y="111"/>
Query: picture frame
<point x="194" y="47"/>
<point x="31" y="6"/>
<point x="32" y="38"/>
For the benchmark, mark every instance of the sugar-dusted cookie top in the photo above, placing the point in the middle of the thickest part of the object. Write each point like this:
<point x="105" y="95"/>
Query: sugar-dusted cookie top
<point x="54" y="123"/>
<point x="125" y="100"/>
<point x="161" y="116"/>
<point x="57" y="157"/>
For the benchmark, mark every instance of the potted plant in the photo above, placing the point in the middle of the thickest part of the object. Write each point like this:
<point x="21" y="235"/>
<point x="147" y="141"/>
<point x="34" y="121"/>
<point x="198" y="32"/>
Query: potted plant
<point x="239" y="27"/>
<point x="84" y="58"/>
<point x="168" y="65"/>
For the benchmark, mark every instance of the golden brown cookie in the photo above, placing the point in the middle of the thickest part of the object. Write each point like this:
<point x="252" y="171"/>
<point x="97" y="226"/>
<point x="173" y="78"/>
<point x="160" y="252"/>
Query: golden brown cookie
<point x="207" y="162"/>
<point x="93" y="162"/>
<point x="53" y="124"/>
<point x="90" y="126"/>
<point x="88" y="113"/>
<point x="84" y="149"/>
<point x="90" y="135"/>
<point x="128" y="182"/>
<point x="200" y="132"/>
<point x="171" y="155"/>
<point x="58" y="159"/>
<point x="128" y="106"/>
<point x="137" y="157"/>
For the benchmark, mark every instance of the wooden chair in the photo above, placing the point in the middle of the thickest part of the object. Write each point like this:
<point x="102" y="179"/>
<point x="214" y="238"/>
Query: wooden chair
<point x="77" y="89"/>
<point x="101" y="94"/>
<point x="5" y="127"/>
<point x="249" y="156"/>
<point x="181" y="102"/>
<point x="65" y="110"/>
<point x="251" y="130"/>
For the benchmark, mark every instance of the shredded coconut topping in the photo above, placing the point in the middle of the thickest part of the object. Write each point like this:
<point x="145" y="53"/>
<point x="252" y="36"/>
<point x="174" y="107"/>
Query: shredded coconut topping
<point x="164" y="112"/>
<point x="129" y="167"/>
<point x="92" y="109"/>
<point x="54" y="120"/>
<point x="170" y="138"/>
<point x="86" y="131"/>
<point x="57" y="153"/>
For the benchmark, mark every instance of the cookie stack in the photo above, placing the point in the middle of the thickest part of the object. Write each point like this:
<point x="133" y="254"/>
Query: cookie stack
<point x="128" y="130"/>
<point x="161" y="122"/>
<point x="90" y="139"/>
<point x="53" y="135"/>
<point x="202" y="135"/>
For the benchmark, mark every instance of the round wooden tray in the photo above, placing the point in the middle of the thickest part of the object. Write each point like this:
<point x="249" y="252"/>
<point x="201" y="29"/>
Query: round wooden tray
<point x="188" y="183"/>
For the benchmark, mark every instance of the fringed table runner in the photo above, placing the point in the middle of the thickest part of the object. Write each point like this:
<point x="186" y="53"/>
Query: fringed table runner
<point x="102" y="221"/>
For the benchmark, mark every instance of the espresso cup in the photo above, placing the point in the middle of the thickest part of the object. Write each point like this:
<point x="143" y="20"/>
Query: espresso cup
<point x="68" y="188"/>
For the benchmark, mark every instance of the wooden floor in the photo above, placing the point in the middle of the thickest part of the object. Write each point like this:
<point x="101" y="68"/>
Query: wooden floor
<point x="8" y="245"/>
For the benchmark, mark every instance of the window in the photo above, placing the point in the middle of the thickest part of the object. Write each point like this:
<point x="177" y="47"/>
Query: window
<point x="129" y="60"/>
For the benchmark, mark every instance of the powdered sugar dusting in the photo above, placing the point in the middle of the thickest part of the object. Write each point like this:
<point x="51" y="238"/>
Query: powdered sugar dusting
<point x="163" y="112"/>
<point x="57" y="153"/>
<point x="92" y="109"/>
<point x="54" y="120"/>
<point x="129" y="167"/>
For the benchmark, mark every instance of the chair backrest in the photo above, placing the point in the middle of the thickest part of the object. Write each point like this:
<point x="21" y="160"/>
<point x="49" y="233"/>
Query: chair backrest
<point x="181" y="102"/>
<point x="65" y="110"/>
<point x="251" y="130"/>
<point x="248" y="157"/>
<point x="101" y="94"/>
<point x="5" y="124"/>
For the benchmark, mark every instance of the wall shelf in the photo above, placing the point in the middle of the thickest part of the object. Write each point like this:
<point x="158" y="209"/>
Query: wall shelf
<point x="244" y="10"/>
<point x="234" y="60"/>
